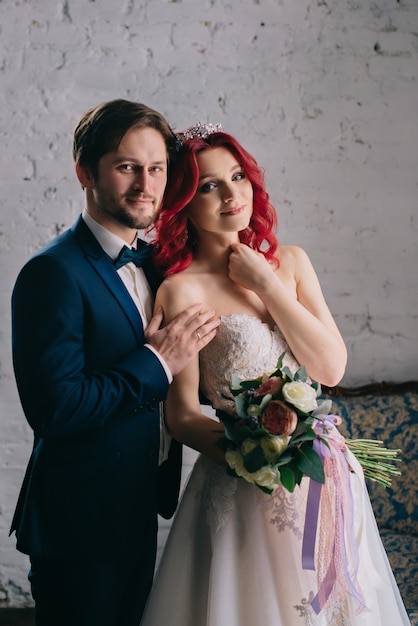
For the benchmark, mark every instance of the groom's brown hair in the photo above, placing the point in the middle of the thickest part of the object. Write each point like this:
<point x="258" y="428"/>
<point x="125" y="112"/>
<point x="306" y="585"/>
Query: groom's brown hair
<point x="102" y="128"/>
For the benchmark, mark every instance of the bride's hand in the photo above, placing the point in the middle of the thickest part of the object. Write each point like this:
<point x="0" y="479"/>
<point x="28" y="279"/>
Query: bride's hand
<point x="249" y="268"/>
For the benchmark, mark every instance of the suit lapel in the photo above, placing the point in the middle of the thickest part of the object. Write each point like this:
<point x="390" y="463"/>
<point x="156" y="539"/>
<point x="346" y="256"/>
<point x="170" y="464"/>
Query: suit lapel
<point x="101" y="263"/>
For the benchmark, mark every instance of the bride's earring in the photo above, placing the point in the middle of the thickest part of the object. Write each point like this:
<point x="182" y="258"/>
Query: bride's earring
<point x="185" y="235"/>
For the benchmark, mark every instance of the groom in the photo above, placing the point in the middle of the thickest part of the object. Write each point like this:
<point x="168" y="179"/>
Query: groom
<point x="92" y="366"/>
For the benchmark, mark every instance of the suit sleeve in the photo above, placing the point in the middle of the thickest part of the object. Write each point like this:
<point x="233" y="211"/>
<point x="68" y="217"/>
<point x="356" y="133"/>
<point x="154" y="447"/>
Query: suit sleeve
<point x="67" y="381"/>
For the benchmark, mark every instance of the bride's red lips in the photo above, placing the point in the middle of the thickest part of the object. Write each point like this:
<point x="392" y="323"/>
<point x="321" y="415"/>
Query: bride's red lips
<point x="234" y="210"/>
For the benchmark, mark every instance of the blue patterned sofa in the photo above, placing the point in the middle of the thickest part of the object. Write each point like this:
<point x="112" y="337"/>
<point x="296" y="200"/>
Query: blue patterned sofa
<point x="389" y="412"/>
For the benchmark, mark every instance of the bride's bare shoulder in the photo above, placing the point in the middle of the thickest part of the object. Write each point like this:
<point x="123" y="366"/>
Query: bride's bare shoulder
<point x="179" y="291"/>
<point x="293" y="259"/>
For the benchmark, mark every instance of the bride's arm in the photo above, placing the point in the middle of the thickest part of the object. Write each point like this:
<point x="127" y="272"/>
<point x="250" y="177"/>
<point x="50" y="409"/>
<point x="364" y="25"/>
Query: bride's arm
<point x="301" y="313"/>
<point x="182" y="411"/>
<point x="184" y="418"/>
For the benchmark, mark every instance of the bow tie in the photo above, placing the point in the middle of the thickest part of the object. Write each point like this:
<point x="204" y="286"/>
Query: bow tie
<point x="129" y="255"/>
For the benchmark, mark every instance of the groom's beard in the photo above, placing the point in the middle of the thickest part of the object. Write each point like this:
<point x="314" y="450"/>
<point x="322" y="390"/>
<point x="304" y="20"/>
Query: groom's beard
<point x="117" y="208"/>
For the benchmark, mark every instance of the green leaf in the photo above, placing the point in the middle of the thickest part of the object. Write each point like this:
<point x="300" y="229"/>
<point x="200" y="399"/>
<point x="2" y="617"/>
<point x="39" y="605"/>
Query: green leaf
<point x="301" y="374"/>
<point x="309" y="462"/>
<point x="317" y="387"/>
<point x="325" y="442"/>
<point x="257" y="433"/>
<point x="298" y="475"/>
<point x="241" y="407"/>
<point x="288" y="373"/>
<point x="225" y="444"/>
<point x="284" y="458"/>
<point x="243" y="386"/>
<point x="265" y="489"/>
<point x="240" y="434"/>
<point x="308" y="435"/>
<point x="302" y="429"/>
<point x="287" y="478"/>
<point x="280" y="361"/>
<point x="250" y="384"/>
<point x="226" y="418"/>
<point x="231" y="472"/>
<point x="254" y="460"/>
<point x="230" y="432"/>
<point x="265" y="401"/>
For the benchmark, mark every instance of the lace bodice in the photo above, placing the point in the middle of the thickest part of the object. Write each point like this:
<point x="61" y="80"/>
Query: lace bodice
<point x="244" y="346"/>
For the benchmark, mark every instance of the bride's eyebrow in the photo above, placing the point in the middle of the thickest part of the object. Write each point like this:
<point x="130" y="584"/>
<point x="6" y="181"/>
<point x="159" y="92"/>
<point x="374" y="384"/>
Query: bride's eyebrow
<point x="206" y="175"/>
<point x="237" y="166"/>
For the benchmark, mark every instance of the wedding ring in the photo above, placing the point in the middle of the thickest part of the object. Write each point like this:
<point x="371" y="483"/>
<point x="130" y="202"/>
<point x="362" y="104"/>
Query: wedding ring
<point x="198" y="335"/>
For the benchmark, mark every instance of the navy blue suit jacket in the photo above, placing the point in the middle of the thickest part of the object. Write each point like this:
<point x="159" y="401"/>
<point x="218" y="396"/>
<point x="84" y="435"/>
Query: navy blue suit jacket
<point x="90" y="391"/>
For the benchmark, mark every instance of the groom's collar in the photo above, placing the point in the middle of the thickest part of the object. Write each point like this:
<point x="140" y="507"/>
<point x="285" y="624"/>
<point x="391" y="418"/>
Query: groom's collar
<point x="111" y="243"/>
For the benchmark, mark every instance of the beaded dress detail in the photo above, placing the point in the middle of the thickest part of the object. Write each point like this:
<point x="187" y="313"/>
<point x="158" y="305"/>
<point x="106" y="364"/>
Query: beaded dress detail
<point x="233" y="556"/>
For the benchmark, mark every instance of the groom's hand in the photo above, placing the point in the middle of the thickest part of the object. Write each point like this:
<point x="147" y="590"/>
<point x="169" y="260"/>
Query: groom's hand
<point x="183" y="337"/>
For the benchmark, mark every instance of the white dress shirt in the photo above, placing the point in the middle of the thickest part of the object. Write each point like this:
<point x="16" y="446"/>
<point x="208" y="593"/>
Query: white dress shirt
<point x="137" y="285"/>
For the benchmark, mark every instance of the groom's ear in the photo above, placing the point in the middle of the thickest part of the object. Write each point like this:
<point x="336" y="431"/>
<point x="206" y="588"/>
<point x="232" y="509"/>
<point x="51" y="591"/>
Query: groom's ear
<point x="84" y="176"/>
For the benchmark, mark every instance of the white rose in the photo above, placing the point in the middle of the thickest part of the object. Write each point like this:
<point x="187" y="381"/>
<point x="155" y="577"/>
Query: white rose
<point x="235" y="461"/>
<point x="266" y="476"/>
<point x="274" y="446"/>
<point x="301" y="395"/>
<point x="248" y="445"/>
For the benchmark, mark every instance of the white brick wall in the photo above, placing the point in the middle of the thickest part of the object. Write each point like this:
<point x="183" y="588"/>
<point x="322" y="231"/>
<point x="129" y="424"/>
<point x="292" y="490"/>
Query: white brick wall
<point x="323" y="93"/>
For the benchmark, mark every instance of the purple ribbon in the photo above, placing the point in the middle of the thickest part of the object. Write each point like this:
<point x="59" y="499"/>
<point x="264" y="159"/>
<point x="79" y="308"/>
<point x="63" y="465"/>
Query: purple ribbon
<point x="312" y="512"/>
<point x="311" y="524"/>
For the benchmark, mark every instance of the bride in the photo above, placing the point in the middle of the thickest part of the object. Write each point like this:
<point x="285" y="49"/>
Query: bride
<point x="233" y="557"/>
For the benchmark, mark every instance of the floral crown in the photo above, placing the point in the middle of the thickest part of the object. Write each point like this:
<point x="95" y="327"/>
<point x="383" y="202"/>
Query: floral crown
<point x="199" y="130"/>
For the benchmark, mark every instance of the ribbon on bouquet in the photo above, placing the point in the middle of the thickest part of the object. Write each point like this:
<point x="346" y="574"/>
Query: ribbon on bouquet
<point x="332" y="504"/>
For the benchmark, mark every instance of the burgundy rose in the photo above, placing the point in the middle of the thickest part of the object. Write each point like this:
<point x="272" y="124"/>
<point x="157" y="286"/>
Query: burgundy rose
<point x="271" y="385"/>
<point x="278" y="418"/>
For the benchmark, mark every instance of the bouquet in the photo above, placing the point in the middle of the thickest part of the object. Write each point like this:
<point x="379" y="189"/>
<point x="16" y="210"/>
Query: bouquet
<point x="281" y="431"/>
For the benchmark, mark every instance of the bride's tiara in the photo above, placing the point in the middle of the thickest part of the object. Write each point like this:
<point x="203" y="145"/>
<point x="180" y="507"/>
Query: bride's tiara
<point x="199" y="130"/>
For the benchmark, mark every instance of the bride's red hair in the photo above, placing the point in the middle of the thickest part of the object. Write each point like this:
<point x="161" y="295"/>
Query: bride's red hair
<point x="175" y="235"/>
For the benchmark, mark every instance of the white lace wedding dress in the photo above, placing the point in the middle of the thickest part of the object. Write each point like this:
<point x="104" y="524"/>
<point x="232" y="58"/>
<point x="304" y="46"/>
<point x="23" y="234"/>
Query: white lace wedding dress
<point x="233" y="556"/>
